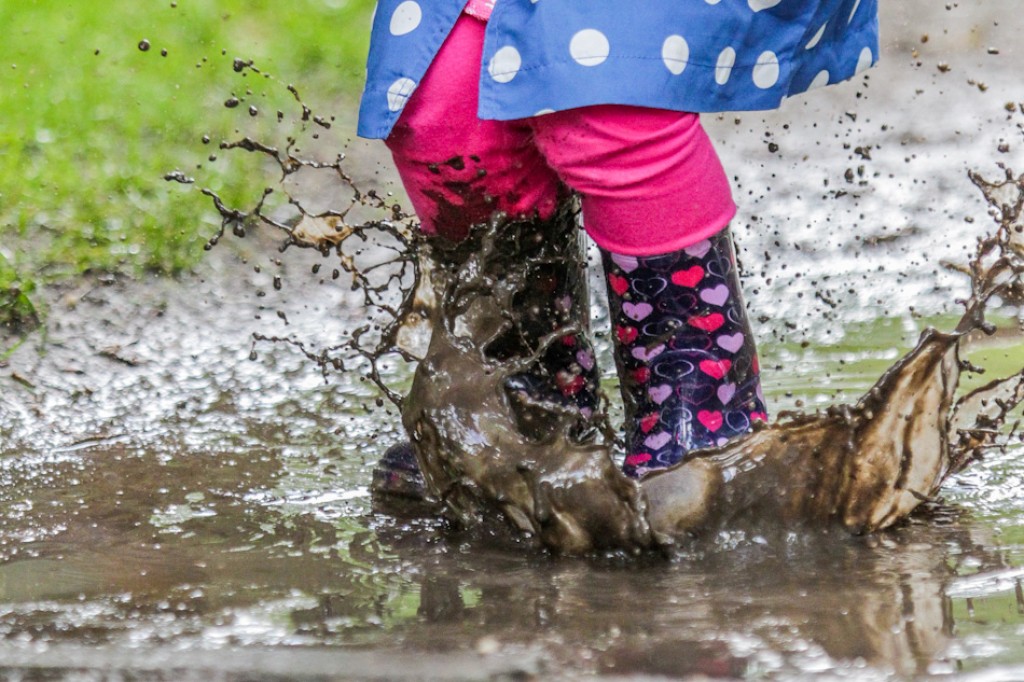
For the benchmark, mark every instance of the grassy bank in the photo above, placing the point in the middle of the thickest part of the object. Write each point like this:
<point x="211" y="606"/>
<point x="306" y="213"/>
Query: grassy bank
<point x="90" y="122"/>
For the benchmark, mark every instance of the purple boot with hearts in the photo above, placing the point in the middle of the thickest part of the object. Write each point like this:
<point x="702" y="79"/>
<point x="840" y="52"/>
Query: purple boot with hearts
<point x="685" y="353"/>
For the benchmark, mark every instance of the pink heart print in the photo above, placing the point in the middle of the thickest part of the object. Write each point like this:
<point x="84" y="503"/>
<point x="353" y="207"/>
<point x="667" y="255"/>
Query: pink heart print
<point x="715" y="368"/>
<point x="715" y="296"/>
<point x="648" y="423"/>
<point x="700" y="249"/>
<point x="726" y="393"/>
<point x="708" y="323"/>
<point x="712" y="420"/>
<point x="648" y="354"/>
<point x="658" y="440"/>
<point x="688" y="278"/>
<point x="660" y="393"/>
<point x="626" y="263"/>
<point x="619" y="284"/>
<point x="637" y="311"/>
<point x="730" y="342"/>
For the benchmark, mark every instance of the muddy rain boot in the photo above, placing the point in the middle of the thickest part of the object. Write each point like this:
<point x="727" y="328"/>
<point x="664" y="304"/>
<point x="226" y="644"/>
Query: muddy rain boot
<point x="566" y="375"/>
<point x="685" y="354"/>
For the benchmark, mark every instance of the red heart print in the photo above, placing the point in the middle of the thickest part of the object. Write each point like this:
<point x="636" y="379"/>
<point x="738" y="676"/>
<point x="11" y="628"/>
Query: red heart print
<point x="569" y="340"/>
<point x="759" y="417"/>
<point x="626" y="335"/>
<point x="569" y="384"/>
<point x="755" y="366"/>
<point x="649" y="422"/>
<point x="708" y="323"/>
<point x="690" y="277"/>
<point x="638" y="459"/>
<point x="715" y="368"/>
<point x="619" y="284"/>
<point x="641" y="375"/>
<point x="712" y="421"/>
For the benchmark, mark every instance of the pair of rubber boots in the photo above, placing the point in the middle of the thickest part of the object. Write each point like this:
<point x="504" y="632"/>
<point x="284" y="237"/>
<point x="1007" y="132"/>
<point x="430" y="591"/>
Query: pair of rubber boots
<point x="685" y="355"/>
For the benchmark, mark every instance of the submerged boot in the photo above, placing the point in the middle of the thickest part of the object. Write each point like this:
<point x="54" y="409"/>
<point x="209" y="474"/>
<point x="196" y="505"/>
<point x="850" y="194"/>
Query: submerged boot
<point x="686" y="357"/>
<point x="550" y="255"/>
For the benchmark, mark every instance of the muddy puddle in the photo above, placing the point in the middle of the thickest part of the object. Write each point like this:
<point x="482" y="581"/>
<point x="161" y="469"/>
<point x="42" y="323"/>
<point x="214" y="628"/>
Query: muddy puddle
<point x="172" y="510"/>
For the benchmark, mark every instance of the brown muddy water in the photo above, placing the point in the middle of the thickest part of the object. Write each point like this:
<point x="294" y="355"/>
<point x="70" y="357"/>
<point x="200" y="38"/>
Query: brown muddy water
<point x="172" y="510"/>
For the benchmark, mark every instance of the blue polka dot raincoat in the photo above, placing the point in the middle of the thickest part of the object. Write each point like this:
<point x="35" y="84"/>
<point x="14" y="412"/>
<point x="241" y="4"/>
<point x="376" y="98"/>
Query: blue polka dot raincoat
<point x="684" y="55"/>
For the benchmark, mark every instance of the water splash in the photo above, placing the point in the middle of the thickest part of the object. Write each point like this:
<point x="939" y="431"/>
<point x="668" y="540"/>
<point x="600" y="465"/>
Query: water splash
<point x="864" y="466"/>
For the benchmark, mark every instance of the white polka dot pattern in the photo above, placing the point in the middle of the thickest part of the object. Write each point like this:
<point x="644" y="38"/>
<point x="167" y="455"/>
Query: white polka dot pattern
<point x="589" y="47"/>
<point x="820" y="81"/>
<point x="723" y="69"/>
<point x="813" y="43"/>
<point x="853" y="12"/>
<point x="399" y="93"/>
<point x="505" y="64"/>
<point x="865" y="60"/>
<point x="546" y="55"/>
<point x="766" y="70"/>
<point x="675" y="52"/>
<point x="406" y="18"/>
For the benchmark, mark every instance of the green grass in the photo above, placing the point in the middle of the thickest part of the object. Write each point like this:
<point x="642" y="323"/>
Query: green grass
<point x="843" y="371"/>
<point x="89" y="123"/>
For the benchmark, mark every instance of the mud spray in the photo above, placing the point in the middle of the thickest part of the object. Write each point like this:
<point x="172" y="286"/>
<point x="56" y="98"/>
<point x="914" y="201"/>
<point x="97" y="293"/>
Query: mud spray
<point x="864" y="466"/>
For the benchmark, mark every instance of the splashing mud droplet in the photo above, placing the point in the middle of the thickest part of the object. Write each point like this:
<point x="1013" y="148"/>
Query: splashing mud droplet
<point x="863" y="466"/>
<point x="179" y="177"/>
<point x="144" y="46"/>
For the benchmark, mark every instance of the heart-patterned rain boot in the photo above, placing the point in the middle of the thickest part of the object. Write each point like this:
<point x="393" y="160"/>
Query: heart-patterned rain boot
<point x="549" y="255"/>
<point x="686" y="357"/>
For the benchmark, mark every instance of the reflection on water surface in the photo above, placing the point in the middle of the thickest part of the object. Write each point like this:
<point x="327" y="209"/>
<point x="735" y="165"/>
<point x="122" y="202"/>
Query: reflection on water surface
<point x="210" y="503"/>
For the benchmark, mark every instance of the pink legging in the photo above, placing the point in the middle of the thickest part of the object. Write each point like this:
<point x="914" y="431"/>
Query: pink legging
<point x="649" y="179"/>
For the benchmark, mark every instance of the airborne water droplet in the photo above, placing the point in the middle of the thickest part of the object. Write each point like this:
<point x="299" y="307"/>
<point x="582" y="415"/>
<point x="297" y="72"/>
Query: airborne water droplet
<point x="144" y="45"/>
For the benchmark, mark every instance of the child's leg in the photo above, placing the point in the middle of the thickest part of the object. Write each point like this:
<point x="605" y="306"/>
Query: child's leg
<point x="650" y="180"/>
<point x="655" y="199"/>
<point x="457" y="169"/>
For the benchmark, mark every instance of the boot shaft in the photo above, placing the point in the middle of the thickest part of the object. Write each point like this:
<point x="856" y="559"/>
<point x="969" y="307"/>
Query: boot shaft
<point x="684" y="349"/>
<point x="512" y="287"/>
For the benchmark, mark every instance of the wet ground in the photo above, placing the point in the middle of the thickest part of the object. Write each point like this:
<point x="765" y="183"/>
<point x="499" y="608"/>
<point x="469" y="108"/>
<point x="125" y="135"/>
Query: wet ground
<point x="170" y="509"/>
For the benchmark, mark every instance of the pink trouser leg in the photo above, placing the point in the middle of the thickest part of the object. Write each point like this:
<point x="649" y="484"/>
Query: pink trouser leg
<point x="457" y="169"/>
<point x="650" y="180"/>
